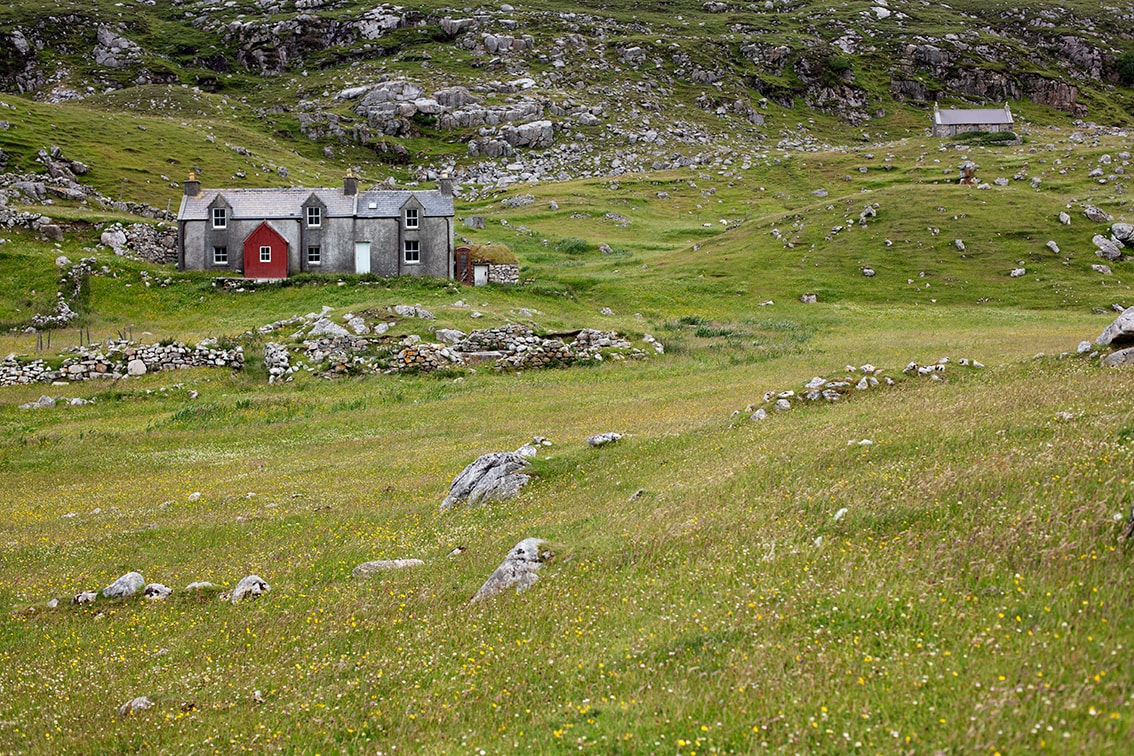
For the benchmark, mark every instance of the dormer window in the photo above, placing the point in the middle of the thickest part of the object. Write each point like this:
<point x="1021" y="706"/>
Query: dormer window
<point x="220" y="217"/>
<point x="411" y="217"/>
<point x="314" y="217"/>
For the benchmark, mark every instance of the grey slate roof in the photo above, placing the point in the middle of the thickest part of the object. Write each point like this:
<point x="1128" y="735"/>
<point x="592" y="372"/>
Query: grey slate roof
<point x="389" y="203"/>
<point x="288" y="203"/>
<point x="970" y="116"/>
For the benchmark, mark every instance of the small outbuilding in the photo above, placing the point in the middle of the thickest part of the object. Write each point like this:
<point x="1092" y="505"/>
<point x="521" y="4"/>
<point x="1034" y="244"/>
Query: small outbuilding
<point x="953" y="121"/>
<point x="481" y="264"/>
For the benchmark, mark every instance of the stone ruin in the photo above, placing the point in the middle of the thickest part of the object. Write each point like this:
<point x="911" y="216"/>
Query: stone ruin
<point x="336" y="352"/>
<point x="119" y="358"/>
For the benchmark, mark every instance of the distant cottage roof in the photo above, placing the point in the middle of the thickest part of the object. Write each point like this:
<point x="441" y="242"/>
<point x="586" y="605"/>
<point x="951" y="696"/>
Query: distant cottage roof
<point x="288" y="203"/>
<point x="972" y="116"/>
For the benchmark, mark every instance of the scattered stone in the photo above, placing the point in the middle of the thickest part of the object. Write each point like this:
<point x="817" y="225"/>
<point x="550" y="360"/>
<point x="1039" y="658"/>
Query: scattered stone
<point x="252" y="585"/>
<point x="1064" y="415"/>
<point x="199" y="585"/>
<point x="1123" y="232"/>
<point x="491" y="477"/>
<point x="1017" y="272"/>
<point x="808" y="298"/>
<point x="602" y="439"/>
<point x="157" y="592"/>
<point x="1096" y="215"/>
<point x="760" y="414"/>
<point x="135" y="368"/>
<point x="840" y="514"/>
<point x="1065" y="219"/>
<point x="358" y="325"/>
<point x="959" y="244"/>
<point x="195" y="496"/>
<point x="325" y="327"/>
<point x="411" y="311"/>
<point x="1120" y="332"/>
<point x="86" y="597"/>
<point x="41" y="403"/>
<point x="868" y="272"/>
<point x="518" y="569"/>
<point x="126" y="585"/>
<point x="449" y="335"/>
<point x="1108" y="248"/>
<point x="1121" y="358"/>
<point x="366" y="569"/>
<point x="1051" y="245"/>
<point x="1100" y="268"/>
<point x="1084" y="347"/>
<point x="141" y="703"/>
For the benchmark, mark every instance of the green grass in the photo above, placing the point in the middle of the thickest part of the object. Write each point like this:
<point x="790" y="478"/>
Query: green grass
<point x="978" y="567"/>
<point x="703" y="597"/>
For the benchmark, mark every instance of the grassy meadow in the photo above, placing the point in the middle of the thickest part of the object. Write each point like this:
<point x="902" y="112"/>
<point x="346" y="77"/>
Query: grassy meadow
<point x="703" y="596"/>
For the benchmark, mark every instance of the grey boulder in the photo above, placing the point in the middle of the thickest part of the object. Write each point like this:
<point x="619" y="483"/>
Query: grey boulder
<point x="250" y="586"/>
<point x="518" y="569"/>
<point x="1120" y="332"/>
<point x="449" y="335"/>
<point x="1108" y="249"/>
<point x="141" y="703"/>
<point x="1123" y="232"/>
<point x="127" y="585"/>
<point x="1121" y="358"/>
<point x="324" y="327"/>
<point x="492" y="477"/>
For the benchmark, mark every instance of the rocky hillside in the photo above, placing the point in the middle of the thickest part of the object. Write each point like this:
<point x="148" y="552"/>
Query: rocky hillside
<point x="509" y="92"/>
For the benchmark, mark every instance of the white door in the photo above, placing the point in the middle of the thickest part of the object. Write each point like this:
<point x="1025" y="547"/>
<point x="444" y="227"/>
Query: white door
<point x="362" y="257"/>
<point x="480" y="275"/>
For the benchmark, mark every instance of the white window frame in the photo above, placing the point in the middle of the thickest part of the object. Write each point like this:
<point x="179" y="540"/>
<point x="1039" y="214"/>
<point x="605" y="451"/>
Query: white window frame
<point x="413" y="217"/>
<point x="416" y="249"/>
<point x="220" y="255"/>
<point x="220" y="217"/>
<point x="314" y="217"/>
<point x="265" y="253"/>
<point x="317" y="258"/>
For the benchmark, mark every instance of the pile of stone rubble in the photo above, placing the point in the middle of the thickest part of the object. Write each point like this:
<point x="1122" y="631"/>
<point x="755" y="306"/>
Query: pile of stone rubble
<point x="834" y="388"/>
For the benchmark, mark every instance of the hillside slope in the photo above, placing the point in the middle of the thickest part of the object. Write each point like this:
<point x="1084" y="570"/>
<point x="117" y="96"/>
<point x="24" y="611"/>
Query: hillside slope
<point x="619" y="87"/>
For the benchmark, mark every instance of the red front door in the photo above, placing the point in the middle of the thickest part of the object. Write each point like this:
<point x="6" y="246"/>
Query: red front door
<point x="265" y="253"/>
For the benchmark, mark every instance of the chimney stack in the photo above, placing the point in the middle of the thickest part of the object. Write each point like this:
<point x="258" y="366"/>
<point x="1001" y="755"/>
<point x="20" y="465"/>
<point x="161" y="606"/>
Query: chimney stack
<point x="445" y="184"/>
<point x="350" y="184"/>
<point x="192" y="186"/>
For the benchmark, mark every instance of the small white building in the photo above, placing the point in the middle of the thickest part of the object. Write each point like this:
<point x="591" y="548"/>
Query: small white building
<point x="953" y="121"/>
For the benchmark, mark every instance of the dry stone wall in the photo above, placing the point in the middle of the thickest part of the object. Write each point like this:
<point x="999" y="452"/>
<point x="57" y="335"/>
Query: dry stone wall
<point x="119" y="359"/>
<point x="504" y="274"/>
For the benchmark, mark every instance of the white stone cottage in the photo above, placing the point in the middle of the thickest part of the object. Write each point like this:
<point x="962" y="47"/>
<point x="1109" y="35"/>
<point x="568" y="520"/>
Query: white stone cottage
<point x="275" y="233"/>
<point x="953" y="121"/>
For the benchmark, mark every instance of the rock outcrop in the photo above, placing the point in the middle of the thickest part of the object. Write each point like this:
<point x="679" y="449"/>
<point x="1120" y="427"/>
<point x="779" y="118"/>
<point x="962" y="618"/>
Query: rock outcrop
<point x="518" y="570"/>
<point x="127" y="585"/>
<point x="492" y="477"/>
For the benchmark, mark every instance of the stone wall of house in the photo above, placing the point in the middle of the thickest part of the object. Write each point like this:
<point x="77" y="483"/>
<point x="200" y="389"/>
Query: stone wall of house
<point x="504" y="274"/>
